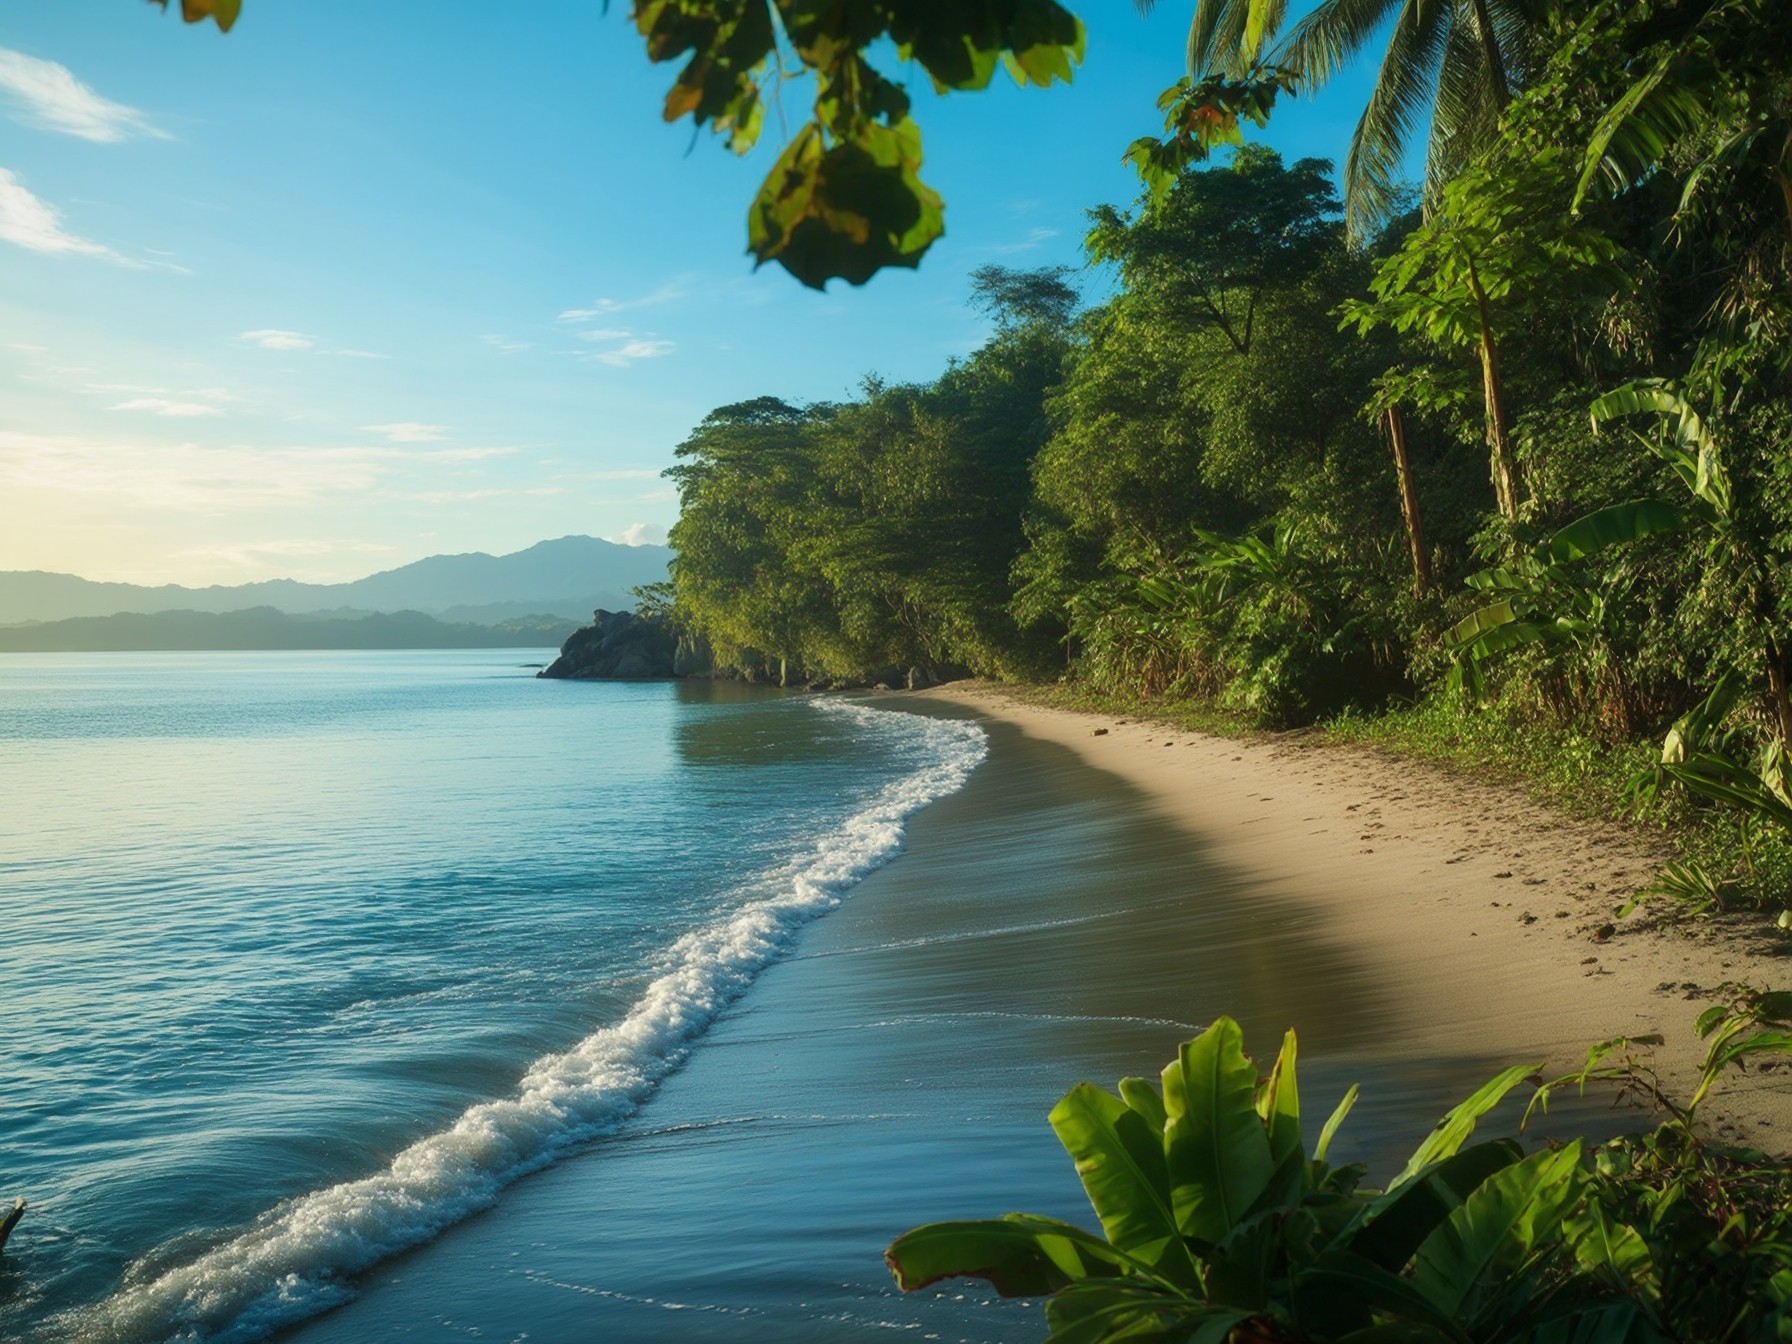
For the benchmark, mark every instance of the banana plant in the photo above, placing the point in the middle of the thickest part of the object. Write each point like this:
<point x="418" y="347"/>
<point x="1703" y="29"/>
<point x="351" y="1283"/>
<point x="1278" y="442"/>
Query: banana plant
<point x="1218" y="1224"/>
<point x="1549" y="596"/>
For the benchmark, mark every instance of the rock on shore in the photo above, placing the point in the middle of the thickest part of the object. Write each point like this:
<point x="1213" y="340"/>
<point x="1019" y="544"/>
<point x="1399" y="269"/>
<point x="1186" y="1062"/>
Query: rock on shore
<point x="618" y="645"/>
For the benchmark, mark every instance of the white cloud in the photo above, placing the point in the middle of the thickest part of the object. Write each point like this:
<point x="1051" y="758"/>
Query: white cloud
<point x="408" y="431"/>
<point x="254" y="555"/>
<point x="33" y="223"/>
<point x="666" y="293"/>
<point x="505" y="344"/>
<point x="640" y="534"/>
<point x="272" y="338"/>
<point x="1035" y="238"/>
<point x="162" y="406"/>
<point x="184" y="476"/>
<point x="606" y="334"/>
<point x="635" y="350"/>
<point x="43" y="93"/>
<point x="469" y="454"/>
<point x="357" y="354"/>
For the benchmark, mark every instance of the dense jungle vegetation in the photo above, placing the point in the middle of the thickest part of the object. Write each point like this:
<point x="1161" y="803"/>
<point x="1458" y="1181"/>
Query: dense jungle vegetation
<point x="1498" y="466"/>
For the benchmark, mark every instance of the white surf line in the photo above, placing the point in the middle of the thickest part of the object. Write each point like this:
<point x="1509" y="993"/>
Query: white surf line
<point x="295" y="1261"/>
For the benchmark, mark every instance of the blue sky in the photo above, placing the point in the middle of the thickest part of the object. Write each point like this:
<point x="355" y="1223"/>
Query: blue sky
<point x="358" y="283"/>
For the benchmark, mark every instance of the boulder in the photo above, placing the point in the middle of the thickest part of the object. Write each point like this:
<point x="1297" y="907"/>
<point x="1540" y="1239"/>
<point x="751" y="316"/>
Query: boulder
<point x="617" y="645"/>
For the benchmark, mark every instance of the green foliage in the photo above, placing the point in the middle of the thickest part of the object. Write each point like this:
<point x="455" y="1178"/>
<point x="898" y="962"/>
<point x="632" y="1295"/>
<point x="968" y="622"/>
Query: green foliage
<point x="844" y="199"/>
<point x="1449" y="68"/>
<point x="1218" y="1225"/>
<point x="221" y="12"/>
<point x="837" y="540"/>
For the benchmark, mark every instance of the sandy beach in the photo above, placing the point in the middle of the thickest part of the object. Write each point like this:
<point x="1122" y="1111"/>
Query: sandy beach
<point x="1082" y="905"/>
<point x="1491" y="914"/>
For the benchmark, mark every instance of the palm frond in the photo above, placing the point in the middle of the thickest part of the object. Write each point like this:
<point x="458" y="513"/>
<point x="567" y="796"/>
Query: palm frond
<point x="1336" y="30"/>
<point x="1227" y="37"/>
<point x="1405" y="91"/>
<point x="1466" y="112"/>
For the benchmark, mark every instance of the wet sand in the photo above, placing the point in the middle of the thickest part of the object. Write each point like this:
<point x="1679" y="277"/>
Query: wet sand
<point x="1080" y="907"/>
<point x="1490" y="917"/>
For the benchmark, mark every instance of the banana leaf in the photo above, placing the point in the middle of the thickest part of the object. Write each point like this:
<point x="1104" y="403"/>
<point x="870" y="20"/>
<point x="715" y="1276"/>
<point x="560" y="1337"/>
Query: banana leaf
<point x="1614" y="525"/>
<point x="1498" y="1229"/>
<point x="1458" y="1125"/>
<point x="1119" y="1158"/>
<point x="1216" y="1146"/>
<point x="1021" y="1255"/>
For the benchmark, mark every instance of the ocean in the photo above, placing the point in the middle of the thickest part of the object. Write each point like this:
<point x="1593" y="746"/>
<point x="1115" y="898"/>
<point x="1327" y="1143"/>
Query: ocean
<point x="305" y="957"/>
<point x="354" y="997"/>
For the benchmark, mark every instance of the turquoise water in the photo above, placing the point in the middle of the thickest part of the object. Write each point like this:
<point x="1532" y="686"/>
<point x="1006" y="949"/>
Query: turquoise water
<point x="306" y="957"/>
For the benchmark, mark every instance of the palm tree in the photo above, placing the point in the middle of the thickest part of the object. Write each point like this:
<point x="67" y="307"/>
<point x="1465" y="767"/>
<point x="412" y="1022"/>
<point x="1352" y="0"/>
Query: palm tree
<point x="1450" y="65"/>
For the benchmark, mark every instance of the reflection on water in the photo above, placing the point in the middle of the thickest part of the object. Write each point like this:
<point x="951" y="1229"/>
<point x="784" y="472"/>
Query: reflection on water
<point x="1040" y="929"/>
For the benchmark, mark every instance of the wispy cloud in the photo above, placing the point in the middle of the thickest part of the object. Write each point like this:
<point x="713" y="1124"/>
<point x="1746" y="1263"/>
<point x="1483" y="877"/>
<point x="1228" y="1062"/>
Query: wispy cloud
<point x="254" y="555"/>
<point x="633" y="351"/>
<point x="640" y="534"/>
<point x="45" y="94"/>
<point x="30" y="222"/>
<point x="162" y="406"/>
<point x="605" y="334"/>
<point x="1035" y="238"/>
<point x="184" y="476"/>
<point x="409" y="431"/>
<point x="273" y="338"/>
<point x="356" y="354"/>
<point x="505" y="344"/>
<point x="469" y="454"/>
<point x="666" y="293"/>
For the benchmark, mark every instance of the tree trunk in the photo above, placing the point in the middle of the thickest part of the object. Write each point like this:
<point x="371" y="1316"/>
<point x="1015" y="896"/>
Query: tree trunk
<point x="1778" y="696"/>
<point x="1499" y="438"/>
<point x="1409" y="503"/>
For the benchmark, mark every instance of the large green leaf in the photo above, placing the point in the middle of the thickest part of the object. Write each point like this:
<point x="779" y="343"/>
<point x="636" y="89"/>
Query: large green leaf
<point x="1021" y="1255"/>
<point x="1120" y="1159"/>
<point x="1615" y="525"/>
<point x="1340" y="1289"/>
<point x="1617" y="1321"/>
<point x="1478" y="623"/>
<point x="1217" y="1148"/>
<point x="1458" y="1125"/>
<point x="1611" y="1252"/>
<point x="1502" y="1225"/>
<point x="1329" y="1130"/>
<point x="1397" y="1222"/>
<point x="1114" y="1310"/>
<point x="1278" y="1105"/>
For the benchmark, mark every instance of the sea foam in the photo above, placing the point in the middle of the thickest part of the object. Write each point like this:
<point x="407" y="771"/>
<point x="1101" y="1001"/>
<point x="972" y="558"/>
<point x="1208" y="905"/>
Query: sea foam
<point x="296" y="1261"/>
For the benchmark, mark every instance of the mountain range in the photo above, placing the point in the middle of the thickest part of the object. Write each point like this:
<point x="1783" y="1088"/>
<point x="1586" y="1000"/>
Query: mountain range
<point x="569" y="577"/>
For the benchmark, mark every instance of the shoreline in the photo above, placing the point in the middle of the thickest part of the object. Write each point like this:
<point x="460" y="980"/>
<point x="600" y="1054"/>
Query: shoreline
<point x="1074" y="912"/>
<point x="1493" y="913"/>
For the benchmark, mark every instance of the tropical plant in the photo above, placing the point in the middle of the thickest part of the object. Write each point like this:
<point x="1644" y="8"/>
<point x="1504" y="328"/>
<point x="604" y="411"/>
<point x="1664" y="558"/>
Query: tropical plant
<point x="1449" y="68"/>
<point x="1497" y="244"/>
<point x="1551" y="595"/>
<point x="1220" y="1227"/>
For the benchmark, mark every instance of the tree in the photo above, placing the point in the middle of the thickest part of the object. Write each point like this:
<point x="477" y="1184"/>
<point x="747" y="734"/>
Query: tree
<point x="1497" y="245"/>
<point x="1451" y="65"/>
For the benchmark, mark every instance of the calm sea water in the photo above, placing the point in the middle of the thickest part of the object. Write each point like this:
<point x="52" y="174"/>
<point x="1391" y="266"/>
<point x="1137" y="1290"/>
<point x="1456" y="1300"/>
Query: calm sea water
<point x="305" y="957"/>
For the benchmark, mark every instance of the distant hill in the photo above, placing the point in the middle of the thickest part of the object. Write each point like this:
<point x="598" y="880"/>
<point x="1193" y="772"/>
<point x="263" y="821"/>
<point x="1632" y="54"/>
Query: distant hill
<point x="569" y="577"/>
<point x="266" y="628"/>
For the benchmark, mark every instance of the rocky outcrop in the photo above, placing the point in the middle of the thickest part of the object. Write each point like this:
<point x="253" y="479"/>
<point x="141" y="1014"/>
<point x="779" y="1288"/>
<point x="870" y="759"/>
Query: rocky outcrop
<point x="617" y="646"/>
<point x="626" y="646"/>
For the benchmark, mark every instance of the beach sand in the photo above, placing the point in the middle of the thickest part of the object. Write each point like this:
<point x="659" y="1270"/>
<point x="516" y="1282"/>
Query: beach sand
<point x="1491" y="916"/>
<point x="1085" y="903"/>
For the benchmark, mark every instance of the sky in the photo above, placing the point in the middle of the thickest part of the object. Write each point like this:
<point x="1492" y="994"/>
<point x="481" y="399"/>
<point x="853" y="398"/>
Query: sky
<point x="358" y="283"/>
